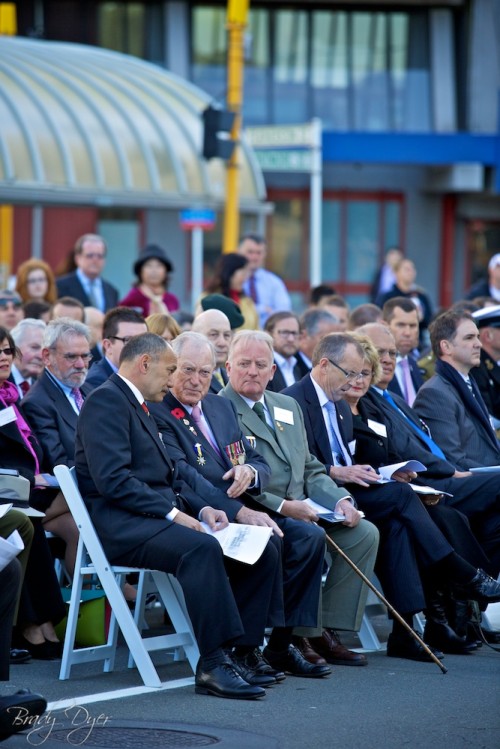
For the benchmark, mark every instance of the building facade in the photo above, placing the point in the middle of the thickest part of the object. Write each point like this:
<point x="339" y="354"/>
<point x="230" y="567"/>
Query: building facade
<point x="407" y="93"/>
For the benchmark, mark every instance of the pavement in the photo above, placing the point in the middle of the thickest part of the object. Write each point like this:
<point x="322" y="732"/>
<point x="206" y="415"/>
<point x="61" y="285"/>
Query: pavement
<point x="391" y="703"/>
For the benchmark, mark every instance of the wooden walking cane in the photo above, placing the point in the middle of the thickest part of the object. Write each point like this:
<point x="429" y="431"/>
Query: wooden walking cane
<point x="387" y="604"/>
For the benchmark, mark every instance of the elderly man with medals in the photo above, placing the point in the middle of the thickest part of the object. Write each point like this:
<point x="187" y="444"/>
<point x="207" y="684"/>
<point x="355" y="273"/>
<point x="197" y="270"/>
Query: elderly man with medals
<point x="203" y="437"/>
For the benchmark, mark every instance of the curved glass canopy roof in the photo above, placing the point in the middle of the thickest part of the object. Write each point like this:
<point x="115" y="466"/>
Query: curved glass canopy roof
<point x="84" y="125"/>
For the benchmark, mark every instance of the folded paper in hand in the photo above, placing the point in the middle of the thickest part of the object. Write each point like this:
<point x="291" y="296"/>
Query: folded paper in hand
<point x="10" y="548"/>
<point x="245" y="543"/>
<point x="326" y="514"/>
<point x="408" y="465"/>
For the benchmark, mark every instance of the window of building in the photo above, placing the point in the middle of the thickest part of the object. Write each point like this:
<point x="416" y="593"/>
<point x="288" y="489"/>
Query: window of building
<point x="357" y="229"/>
<point x="134" y="28"/>
<point x="357" y="70"/>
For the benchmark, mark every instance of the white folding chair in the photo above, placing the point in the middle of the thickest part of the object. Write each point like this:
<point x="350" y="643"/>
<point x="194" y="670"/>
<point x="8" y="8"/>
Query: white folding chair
<point x="91" y="560"/>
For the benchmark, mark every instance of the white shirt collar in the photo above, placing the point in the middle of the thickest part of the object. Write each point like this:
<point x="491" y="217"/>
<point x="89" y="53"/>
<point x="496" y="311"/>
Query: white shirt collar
<point x="133" y="388"/>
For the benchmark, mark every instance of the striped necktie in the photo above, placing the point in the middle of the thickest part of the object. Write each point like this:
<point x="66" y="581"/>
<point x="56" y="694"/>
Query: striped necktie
<point x="433" y="447"/>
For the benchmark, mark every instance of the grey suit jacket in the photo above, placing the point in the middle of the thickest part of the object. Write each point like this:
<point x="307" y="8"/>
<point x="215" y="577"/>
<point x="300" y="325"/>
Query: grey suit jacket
<point x="459" y="434"/>
<point x="295" y="473"/>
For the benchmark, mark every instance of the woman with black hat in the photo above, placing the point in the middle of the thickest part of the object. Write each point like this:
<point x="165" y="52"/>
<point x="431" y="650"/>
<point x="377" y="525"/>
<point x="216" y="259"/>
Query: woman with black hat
<point x="150" y="295"/>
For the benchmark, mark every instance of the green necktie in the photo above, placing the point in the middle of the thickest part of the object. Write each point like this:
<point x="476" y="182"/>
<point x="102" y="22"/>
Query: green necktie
<point x="259" y="410"/>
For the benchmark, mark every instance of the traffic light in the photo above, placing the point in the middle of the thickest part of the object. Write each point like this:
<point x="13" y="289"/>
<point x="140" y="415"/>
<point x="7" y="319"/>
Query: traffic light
<point x="218" y="124"/>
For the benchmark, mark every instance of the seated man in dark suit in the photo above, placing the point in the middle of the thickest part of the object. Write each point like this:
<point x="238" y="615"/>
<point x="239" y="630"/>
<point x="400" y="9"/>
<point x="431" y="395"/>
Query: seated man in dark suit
<point x="475" y="495"/>
<point x="401" y="315"/>
<point x="120" y="325"/>
<point x="86" y="284"/>
<point x="215" y="325"/>
<point x="205" y="441"/>
<point x="450" y="402"/>
<point x="413" y="550"/>
<point x="145" y="517"/>
<point x="276" y="424"/>
<point x="284" y="329"/>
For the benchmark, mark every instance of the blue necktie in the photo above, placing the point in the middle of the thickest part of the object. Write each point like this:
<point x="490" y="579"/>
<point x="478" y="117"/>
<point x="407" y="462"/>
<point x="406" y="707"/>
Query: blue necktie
<point x="435" y="449"/>
<point x="335" y="445"/>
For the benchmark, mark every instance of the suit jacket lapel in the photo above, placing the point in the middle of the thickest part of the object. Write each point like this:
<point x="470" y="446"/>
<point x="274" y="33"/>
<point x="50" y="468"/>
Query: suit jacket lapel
<point x="285" y="445"/>
<point x="148" y="421"/>
<point x="62" y="404"/>
<point x="318" y="423"/>
<point x="250" y="422"/>
<point x="196" y="435"/>
<point x="213" y="416"/>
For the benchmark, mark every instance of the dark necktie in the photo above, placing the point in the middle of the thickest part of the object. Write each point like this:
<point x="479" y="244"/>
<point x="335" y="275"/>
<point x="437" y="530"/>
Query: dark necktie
<point x="253" y="288"/>
<point x="25" y="386"/>
<point x="433" y="447"/>
<point x="78" y="397"/>
<point x="259" y="410"/>
<point x="200" y="422"/>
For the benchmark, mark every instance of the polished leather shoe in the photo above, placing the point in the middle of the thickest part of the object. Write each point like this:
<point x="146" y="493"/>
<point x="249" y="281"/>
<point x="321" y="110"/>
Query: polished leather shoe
<point x="407" y="647"/>
<point x="256" y="661"/>
<point x="482" y="588"/>
<point x="250" y="675"/>
<point x="225" y="681"/>
<point x="19" y="656"/>
<point x="304" y="646"/>
<point x="32" y="706"/>
<point x="293" y="662"/>
<point x="332" y="650"/>
<point x="441" y="635"/>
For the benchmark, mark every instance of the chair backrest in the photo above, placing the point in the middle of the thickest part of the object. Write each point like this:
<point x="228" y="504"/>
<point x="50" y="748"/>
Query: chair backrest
<point x="69" y="486"/>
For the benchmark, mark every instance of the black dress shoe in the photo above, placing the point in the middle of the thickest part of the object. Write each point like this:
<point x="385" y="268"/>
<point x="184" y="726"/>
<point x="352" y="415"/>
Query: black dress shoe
<point x="19" y="656"/>
<point x="250" y="675"/>
<point x="407" y="647"/>
<point x="256" y="661"/>
<point x="441" y="635"/>
<point x="44" y="651"/>
<point x="32" y="706"/>
<point x="293" y="662"/>
<point x="225" y="681"/>
<point x="482" y="588"/>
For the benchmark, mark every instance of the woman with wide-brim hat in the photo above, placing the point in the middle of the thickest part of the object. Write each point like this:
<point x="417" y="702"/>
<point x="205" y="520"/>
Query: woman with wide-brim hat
<point x="149" y="295"/>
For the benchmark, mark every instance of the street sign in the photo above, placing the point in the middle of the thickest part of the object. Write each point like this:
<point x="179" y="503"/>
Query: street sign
<point x="284" y="160"/>
<point x="197" y="218"/>
<point x="282" y="136"/>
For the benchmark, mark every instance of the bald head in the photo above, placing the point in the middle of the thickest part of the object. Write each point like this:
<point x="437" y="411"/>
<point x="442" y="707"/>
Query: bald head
<point x="384" y="342"/>
<point x="215" y="325"/>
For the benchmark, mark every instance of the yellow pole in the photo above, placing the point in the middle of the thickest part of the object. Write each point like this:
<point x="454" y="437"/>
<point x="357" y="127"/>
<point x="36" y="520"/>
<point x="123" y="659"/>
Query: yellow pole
<point x="8" y="27"/>
<point x="237" y="12"/>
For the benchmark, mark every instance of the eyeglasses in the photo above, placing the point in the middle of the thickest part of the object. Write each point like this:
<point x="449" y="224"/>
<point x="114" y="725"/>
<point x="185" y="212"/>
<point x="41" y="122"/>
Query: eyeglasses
<point x="124" y="340"/>
<point x="72" y="358"/>
<point x="347" y="375"/>
<point x="93" y="256"/>
<point x="8" y="351"/>
<point x="288" y="333"/>
<point x="191" y="371"/>
<point x="392" y="353"/>
<point x="10" y="303"/>
<point x="40" y="279"/>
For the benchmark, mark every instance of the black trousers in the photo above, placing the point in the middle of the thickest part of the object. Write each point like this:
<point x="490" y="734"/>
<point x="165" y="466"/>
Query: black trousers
<point x="41" y="599"/>
<point x="409" y="541"/>
<point x="10" y="582"/>
<point x="228" y="602"/>
<point x="478" y="497"/>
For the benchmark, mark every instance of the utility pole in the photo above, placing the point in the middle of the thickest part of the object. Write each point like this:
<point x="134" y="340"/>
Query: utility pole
<point x="8" y="27"/>
<point x="237" y="13"/>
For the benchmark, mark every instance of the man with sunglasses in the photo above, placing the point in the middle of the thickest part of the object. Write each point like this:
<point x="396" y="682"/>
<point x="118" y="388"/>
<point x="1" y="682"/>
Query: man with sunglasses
<point x="53" y="403"/>
<point x="120" y="325"/>
<point x="86" y="284"/>
<point x="11" y="309"/>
